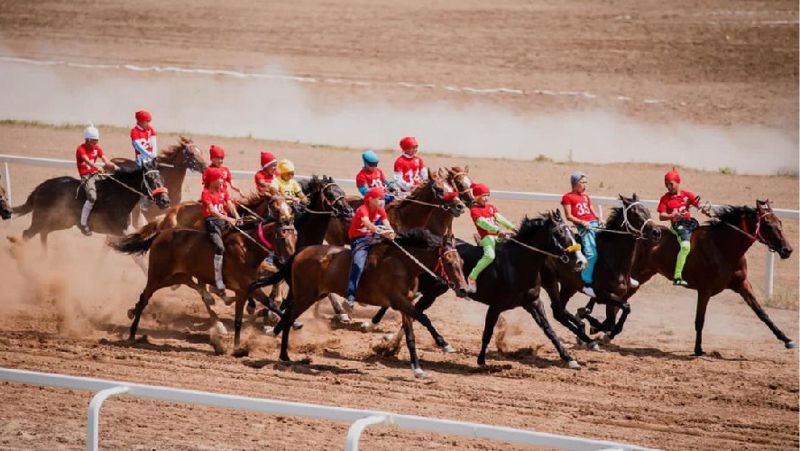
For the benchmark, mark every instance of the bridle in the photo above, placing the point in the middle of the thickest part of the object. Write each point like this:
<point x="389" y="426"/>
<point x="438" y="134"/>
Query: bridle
<point x="439" y="268"/>
<point x="639" y="233"/>
<point x="188" y="157"/>
<point x="465" y="181"/>
<point x="757" y="236"/>
<point x="565" y="251"/>
<point x="444" y="198"/>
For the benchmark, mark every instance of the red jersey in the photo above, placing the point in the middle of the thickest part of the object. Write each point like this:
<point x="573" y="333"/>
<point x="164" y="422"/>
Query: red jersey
<point x="409" y="169"/>
<point x="679" y="202"/>
<point x="226" y="177"/>
<point x="357" y="228"/>
<point x="214" y="201"/>
<point x="262" y="177"/>
<point x="141" y="138"/>
<point x="370" y="179"/>
<point x="92" y="154"/>
<point x="486" y="212"/>
<point x="580" y="206"/>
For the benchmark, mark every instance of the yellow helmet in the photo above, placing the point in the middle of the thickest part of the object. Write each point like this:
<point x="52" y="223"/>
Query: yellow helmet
<point x="285" y="166"/>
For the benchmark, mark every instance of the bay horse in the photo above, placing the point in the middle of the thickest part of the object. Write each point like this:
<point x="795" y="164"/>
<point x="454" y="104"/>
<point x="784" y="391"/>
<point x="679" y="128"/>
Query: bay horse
<point x="173" y="161"/>
<point x="513" y="279"/>
<point x="616" y="243"/>
<point x="56" y="203"/>
<point x="389" y="279"/>
<point x="176" y="256"/>
<point x="716" y="262"/>
<point x="5" y="208"/>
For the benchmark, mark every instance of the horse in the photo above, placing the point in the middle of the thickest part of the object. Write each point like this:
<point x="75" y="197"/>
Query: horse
<point x="173" y="163"/>
<point x="56" y="203"/>
<point x="513" y="279"/>
<point x="5" y="208"/>
<point x="615" y="248"/>
<point x="716" y="262"/>
<point x="459" y="179"/>
<point x="177" y="256"/>
<point x="389" y="280"/>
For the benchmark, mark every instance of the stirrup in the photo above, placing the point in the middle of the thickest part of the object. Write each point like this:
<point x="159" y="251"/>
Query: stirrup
<point x="680" y="282"/>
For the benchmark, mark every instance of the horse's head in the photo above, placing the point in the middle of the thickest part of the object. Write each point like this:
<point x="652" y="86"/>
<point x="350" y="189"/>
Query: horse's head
<point x="450" y="266"/>
<point x="444" y="193"/>
<point x="769" y="229"/>
<point x="279" y="210"/>
<point x="5" y="209"/>
<point x="283" y="237"/>
<point x="459" y="179"/>
<point x="189" y="155"/>
<point x="154" y="185"/>
<point x="331" y="197"/>
<point x="636" y="218"/>
<point x="549" y="233"/>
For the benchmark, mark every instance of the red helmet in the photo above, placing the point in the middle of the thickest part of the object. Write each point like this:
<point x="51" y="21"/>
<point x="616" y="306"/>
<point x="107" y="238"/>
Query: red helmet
<point x="143" y="116"/>
<point x="409" y="142"/>
<point x="373" y="193"/>
<point x="216" y="151"/>
<point x="212" y="174"/>
<point x="479" y="189"/>
<point x="672" y="176"/>
<point x="267" y="159"/>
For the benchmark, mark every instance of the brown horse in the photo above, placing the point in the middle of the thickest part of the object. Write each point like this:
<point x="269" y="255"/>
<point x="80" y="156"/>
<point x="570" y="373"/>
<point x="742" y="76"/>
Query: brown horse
<point x="179" y="255"/>
<point x="390" y="280"/>
<point x="5" y="208"/>
<point x="716" y="262"/>
<point x="173" y="163"/>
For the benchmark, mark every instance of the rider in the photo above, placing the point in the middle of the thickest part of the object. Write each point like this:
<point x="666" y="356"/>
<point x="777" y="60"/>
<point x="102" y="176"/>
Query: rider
<point x="579" y="211"/>
<point x="267" y="173"/>
<point x="371" y="176"/>
<point x="409" y="169"/>
<point x="86" y="156"/>
<point x="217" y="155"/>
<point x="369" y="221"/>
<point x="674" y="206"/>
<point x="143" y="137"/>
<point x="487" y="218"/>
<point x="217" y="207"/>
<point x="287" y="186"/>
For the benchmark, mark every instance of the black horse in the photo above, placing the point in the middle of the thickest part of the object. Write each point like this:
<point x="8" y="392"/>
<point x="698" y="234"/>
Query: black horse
<point x="513" y="279"/>
<point x="612" y="272"/>
<point x="56" y="203"/>
<point x="5" y="208"/>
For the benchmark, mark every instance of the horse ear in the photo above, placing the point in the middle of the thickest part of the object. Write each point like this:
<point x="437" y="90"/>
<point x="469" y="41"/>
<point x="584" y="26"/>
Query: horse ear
<point x="635" y="197"/>
<point x="557" y="214"/>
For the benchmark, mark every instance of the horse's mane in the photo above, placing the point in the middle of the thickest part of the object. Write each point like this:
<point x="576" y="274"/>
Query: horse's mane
<point x="418" y="189"/>
<point x="529" y="226"/>
<point x="250" y="200"/>
<point x="615" y="218"/>
<point x="315" y="183"/>
<point x="732" y="214"/>
<point x="419" y="238"/>
<point x="169" y="153"/>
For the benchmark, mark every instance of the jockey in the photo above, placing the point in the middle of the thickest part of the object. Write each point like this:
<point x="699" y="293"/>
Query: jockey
<point x="579" y="211"/>
<point x="371" y="176"/>
<point x="217" y="155"/>
<point x="369" y="221"/>
<point x="217" y="206"/>
<point x="409" y="169"/>
<point x="86" y="156"/>
<point x="267" y="173"/>
<point x="487" y="218"/>
<point x="287" y="186"/>
<point x="674" y="207"/>
<point x="143" y="137"/>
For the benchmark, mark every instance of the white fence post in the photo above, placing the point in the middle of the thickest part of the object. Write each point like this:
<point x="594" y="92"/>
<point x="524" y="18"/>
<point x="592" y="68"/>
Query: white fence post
<point x="7" y="182"/>
<point x="93" y="420"/>
<point x="358" y="426"/>
<point x="769" y="273"/>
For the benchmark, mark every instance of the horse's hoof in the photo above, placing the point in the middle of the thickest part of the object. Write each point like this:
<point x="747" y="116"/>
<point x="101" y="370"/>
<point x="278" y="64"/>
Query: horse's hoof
<point x="583" y="312"/>
<point x="342" y="318"/>
<point x="593" y="346"/>
<point x="573" y="365"/>
<point x="270" y="331"/>
<point x="251" y="309"/>
<point x="131" y="313"/>
<point x="241" y="352"/>
<point x="367" y="326"/>
<point x="388" y="337"/>
<point x="448" y="349"/>
<point x="220" y="328"/>
<point x="419" y="374"/>
<point x="791" y="345"/>
<point x="297" y="325"/>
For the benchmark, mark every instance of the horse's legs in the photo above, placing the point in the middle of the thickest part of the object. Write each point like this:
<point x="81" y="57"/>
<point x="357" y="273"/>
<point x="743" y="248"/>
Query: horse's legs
<point x="488" y="329"/>
<point x="341" y="315"/>
<point x="699" y="321"/>
<point x="626" y="310"/>
<point x="558" y="301"/>
<point x="283" y="325"/>
<point x="241" y="298"/>
<point x="423" y="319"/>
<point x="408" y="328"/>
<point x="745" y="289"/>
<point x="144" y="298"/>
<point x="536" y="308"/>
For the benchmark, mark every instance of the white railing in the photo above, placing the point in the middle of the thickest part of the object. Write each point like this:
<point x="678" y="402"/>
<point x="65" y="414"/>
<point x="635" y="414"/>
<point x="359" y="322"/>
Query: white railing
<point x="507" y="195"/>
<point x="359" y="419"/>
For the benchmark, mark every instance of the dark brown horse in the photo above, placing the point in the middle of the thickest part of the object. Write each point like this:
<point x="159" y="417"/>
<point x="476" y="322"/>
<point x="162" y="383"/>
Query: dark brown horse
<point x="616" y="243"/>
<point x="389" y="280"/>
<point x="56" y="203"/>
<point x="716" y="262"/>
<point x="5" y="208"/>
<point x="177" y="256"/>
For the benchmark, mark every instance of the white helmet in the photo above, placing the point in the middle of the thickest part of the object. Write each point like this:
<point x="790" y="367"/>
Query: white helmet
<point x="91" y="132"/>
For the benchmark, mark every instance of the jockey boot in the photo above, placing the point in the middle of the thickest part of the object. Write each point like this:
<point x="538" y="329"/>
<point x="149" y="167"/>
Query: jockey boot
<point x="588" y="291"/>
<point x="219" y="284"/>
<point x="634" y="283"/>
<point x="472" y="286"/>
<point x="84" y="225"/>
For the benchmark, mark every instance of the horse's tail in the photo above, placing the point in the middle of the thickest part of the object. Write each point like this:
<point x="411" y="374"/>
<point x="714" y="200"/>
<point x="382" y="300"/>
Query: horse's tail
<point x="135" y="243"/>
<point x="284" y="273"/>
<point x="27" y="207"/>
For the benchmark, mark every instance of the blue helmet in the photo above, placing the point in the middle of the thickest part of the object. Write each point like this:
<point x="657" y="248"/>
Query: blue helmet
<point x="370" y="158"/>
